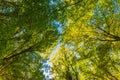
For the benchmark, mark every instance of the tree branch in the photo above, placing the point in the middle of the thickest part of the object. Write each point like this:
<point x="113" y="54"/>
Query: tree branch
<point x="117" y="38"/>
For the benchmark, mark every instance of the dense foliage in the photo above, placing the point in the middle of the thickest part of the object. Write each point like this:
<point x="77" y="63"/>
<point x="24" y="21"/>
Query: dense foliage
<point x="90" y="46"/>
<point x="25" y="35"/>
<point x="86" y="35"/>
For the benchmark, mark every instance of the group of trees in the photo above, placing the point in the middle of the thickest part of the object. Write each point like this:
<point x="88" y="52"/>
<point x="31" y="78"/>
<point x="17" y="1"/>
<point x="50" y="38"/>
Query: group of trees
<point x="25" y="35"/>
<point x="89" y="42"/>
<point x="90" y="48"/>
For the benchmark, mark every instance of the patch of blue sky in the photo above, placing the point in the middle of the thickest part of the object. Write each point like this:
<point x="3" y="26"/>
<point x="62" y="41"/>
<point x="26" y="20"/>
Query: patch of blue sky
<point x="82" y="45"/>
<point x="5" y="9"/>
<point x="100" y="31"/>
<point x="119" y="8"/>
<point x="59" y="30"/>
<point x="46" y="69"/>
<point x="58" y="25"/>
<point x="52" y="2"/>
<point x="115" y="6"/>
<point x="111" y="53"/>
<point x="77" y="55"/>
<point x="71" y="47"/>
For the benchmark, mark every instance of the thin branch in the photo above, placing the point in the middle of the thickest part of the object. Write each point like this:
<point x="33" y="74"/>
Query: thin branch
<point x="117" y="38"/>
<point x="107" y="40"/>
<point x="21" y="52"/>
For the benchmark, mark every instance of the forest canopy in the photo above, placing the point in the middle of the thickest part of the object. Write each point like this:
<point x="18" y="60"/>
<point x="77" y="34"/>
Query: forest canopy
<point x="59" y="40"/>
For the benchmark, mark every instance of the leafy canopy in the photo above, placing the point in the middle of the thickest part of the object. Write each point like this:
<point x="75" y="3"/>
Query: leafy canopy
<point x="89" y="40"/>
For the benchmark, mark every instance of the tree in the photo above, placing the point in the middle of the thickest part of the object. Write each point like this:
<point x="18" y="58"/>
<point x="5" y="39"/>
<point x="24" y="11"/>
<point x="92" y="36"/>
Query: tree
<point x="89" y="44"/>
<point x="64" y="65"/>
<point x="25" y="35"/>
<point x="92" y="33"/>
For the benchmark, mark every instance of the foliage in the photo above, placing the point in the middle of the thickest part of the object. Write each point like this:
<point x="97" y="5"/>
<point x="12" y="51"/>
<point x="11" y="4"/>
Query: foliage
<point x="89" y="42"/>
<point x="90" y="46"/>
<point x="25" y="35"/>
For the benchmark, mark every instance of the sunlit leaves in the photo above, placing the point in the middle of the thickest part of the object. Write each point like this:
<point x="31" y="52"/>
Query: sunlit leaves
<point x="92" y="33"/>
<point x="89" y="40"/>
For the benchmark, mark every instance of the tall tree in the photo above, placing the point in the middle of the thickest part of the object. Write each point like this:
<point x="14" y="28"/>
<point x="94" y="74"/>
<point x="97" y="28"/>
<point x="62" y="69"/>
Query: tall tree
<point x="26" y="35"/>
<point x="92" y="36"/>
